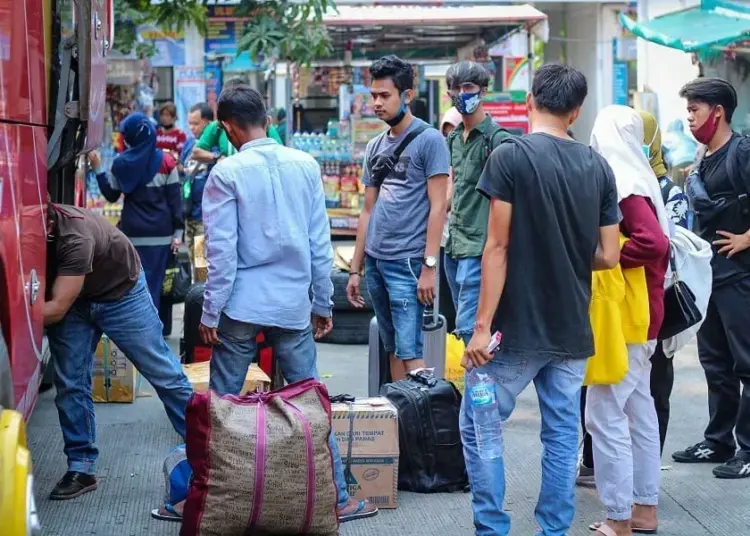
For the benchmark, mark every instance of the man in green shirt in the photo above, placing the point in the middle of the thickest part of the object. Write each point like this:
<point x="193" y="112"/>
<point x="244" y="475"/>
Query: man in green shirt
<point x="470" y="144"/>
<point x="214" y="144"/>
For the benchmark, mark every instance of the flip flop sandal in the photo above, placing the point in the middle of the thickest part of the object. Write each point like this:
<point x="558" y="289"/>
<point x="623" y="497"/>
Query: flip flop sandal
<point x="363" y="511"/>
<point x="166" y="513"/>
<point x="601" y="528"/>
<point x="637" y="530"/>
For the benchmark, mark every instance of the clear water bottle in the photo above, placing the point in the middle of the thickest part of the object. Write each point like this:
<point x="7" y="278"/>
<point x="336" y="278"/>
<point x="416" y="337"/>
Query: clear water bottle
<point x="488" y="426"/>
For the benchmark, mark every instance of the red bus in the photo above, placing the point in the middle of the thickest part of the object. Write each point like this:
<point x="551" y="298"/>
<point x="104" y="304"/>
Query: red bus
<point x="52" y="98"/>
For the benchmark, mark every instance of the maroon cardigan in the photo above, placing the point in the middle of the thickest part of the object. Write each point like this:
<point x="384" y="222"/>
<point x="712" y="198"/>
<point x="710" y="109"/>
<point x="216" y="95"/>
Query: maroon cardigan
<point x="647" y="247"/>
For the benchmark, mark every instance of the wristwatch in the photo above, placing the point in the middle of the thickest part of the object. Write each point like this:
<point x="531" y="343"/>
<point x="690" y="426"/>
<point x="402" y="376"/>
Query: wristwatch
<point x="430" y="262"/>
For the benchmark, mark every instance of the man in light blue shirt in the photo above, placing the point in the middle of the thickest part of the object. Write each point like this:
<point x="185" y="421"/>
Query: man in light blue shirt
<point x="268" y="242"/>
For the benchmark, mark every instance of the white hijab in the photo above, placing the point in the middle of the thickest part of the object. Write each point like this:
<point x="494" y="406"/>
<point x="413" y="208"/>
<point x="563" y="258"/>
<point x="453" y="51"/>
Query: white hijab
<point x="618" y="137"/>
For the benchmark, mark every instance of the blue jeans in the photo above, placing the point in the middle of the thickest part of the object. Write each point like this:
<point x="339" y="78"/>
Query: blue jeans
<point x="132" y="323"/>
<point x="297" y="356"/>
<point x="464" y="278"/>
<point x="558" y="385"/>
<point x="393" y="290"/>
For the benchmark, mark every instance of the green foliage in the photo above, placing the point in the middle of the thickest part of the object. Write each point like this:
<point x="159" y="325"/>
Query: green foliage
<point x="170" y="14"/>
<point x="285" y="29"/>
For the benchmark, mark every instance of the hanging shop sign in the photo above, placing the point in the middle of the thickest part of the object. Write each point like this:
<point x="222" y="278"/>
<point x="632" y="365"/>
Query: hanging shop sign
<point x="189" y="89"/>
<point x="224" y="32"/>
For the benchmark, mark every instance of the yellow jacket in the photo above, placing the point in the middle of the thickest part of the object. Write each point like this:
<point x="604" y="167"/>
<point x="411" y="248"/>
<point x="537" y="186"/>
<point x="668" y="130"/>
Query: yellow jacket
<point x="619" y="316"/>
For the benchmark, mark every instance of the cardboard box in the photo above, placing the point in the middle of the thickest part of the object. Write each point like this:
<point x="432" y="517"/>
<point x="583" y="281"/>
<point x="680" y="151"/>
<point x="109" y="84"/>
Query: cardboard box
<point x="200" y="268"/>
<point x="115" y="378"/>
<point x="198" y="375"/>
<point x="374" y="448"/>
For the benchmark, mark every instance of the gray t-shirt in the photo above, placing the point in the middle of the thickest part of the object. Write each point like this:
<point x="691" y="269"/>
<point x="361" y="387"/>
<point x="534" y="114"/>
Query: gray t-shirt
<point x="398" y="225"/>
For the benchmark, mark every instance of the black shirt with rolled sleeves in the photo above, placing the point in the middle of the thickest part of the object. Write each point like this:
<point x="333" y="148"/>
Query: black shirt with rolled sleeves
<point x="562" y="192"/>
<point x="713" y="172"/>
<point x="88" y="244"/>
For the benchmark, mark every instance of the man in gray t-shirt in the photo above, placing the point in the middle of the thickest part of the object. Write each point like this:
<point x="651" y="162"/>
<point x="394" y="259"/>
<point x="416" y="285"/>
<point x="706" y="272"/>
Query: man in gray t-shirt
<point x="401" y="224"/>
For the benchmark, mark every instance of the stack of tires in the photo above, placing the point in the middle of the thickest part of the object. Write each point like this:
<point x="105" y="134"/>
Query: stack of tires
<point x="350" y="325"/>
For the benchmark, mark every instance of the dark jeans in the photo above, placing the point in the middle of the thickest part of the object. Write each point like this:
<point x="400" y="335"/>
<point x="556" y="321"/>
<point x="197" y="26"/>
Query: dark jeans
<point x="724" y="353"/>
<point x="662" y="381"/>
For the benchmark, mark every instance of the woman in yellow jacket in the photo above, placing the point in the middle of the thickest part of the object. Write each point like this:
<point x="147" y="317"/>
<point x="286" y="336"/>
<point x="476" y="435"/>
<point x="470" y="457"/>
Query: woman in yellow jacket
<point x="620" y="416"/>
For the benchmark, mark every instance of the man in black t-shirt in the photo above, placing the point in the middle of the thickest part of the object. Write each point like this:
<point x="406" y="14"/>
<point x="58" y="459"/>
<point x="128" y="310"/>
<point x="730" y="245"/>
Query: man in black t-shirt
<point x="96" y="285"/>
<point x="723" y="218"/>
<point x="553" y="220"/>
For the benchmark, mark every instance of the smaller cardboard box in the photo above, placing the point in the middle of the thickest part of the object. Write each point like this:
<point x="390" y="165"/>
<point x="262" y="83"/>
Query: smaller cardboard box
<point x="198" y="375"/>
<point x="373" y="473"/>
<point x="200" y="267"/>
<point x="115" y="378"/>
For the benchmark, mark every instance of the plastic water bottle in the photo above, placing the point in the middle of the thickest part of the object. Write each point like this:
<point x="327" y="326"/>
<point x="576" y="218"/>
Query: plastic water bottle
<point x="488" y="426"/>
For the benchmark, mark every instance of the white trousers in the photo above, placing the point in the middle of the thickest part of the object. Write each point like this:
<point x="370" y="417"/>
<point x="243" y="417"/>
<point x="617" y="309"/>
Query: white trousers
<point x="625" y="435"/>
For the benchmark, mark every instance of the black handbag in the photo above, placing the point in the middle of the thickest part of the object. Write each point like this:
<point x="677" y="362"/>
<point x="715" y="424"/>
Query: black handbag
<point x="680" y="309"/>
<point x="177" y="280"/>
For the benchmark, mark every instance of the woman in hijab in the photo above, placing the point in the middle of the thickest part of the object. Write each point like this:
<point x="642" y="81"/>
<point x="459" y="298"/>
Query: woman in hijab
<point x="152" y="209"/>
<point x="662" y="367"/>
<point x="621" y="418"/>
<point x="451" y="119"/>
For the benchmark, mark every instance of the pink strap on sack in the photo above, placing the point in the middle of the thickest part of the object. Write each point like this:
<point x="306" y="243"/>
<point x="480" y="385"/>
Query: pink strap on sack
<point x="260" y="462"/>
<point x="310" y="503"/>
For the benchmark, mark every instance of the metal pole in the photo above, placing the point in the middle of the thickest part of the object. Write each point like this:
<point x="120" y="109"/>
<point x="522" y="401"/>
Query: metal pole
<point x="530" y="54"/>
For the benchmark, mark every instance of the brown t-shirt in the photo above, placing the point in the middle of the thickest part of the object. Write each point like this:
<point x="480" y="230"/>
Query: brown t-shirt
<point x="87" y="244"/>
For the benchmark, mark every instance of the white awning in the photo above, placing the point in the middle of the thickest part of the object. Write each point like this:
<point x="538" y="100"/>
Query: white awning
<point x="415" y="28"/>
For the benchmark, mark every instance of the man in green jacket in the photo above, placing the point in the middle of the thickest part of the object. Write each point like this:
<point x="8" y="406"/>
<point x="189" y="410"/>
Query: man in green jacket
<point x="213" y="145"/>
<point x="470" y="144"/>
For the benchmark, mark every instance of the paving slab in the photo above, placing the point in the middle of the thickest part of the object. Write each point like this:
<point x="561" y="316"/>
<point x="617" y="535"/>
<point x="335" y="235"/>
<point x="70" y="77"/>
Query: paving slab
<point x="134" y="439"/>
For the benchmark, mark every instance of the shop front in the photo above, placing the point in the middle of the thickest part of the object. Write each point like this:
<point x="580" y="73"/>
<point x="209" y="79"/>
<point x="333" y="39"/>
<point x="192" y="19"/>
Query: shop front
<point x="330" y="113"/>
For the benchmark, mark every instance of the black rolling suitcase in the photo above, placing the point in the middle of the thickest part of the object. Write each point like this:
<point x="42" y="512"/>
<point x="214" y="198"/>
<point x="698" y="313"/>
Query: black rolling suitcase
<point x="191" y="347"/>
<point x="431" y="458"/>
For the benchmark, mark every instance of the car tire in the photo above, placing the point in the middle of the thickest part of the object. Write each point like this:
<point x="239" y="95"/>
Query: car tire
<point x="7" y="398"/>
<point x="350" y="327"/>
<point x="340" y="302"/>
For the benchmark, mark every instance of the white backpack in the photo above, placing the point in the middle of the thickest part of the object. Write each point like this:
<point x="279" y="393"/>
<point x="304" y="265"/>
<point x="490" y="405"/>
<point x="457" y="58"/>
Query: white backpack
<point x="692" y="257"/>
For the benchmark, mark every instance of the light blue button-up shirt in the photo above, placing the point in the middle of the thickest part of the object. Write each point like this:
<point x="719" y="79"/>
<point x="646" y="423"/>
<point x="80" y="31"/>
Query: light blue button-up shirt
<point x="268" y="238"/>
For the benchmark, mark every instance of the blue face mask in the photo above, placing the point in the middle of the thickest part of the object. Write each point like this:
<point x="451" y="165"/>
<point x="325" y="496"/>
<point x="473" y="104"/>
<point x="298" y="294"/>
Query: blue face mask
<point x="646" y="151"/>
<point x="467" y="103"/>
<point x="396" y="119"/>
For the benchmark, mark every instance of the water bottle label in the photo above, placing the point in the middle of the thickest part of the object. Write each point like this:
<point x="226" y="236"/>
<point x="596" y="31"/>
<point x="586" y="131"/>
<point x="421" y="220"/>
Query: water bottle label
<point x="483" y="394"/>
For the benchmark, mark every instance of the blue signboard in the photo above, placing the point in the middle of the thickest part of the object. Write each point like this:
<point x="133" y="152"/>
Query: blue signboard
<point x="620" y="83"/>
<point x="620" y="94"/>
<point x="224" y="31"/>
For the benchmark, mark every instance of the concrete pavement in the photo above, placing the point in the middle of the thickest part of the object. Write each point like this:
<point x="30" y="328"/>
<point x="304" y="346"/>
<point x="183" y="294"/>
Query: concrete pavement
<point x="134" y="438"/>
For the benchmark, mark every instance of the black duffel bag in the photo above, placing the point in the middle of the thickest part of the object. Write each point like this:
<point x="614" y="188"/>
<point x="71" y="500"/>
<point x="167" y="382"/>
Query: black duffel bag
<point x="431" y="458"/>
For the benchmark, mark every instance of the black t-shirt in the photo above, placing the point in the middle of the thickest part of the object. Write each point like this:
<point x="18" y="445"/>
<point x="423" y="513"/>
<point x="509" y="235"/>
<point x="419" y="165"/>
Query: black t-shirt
<point x="88" y="244"/>
<point x="562" y="192"/>
<point x="713" y="172"/>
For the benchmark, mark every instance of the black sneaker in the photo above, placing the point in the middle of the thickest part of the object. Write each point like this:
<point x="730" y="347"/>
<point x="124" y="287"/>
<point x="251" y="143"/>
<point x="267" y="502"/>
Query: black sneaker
<point x="73" y="485"/>
<point x="701" y="453"/>
<point x="734" y="468"/>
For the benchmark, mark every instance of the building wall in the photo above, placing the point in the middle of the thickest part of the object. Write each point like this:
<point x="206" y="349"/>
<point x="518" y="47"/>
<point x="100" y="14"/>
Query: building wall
<point x="664" y="70"/>
<point x="581" y="35"/>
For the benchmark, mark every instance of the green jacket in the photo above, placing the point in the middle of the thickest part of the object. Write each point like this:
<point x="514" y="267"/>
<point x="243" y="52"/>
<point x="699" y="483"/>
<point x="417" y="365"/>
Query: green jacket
<point x="469" y="209"/>
<point x="214" y="137"/>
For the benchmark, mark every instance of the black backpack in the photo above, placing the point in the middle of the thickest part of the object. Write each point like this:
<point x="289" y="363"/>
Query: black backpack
<point x="431" y="458"/>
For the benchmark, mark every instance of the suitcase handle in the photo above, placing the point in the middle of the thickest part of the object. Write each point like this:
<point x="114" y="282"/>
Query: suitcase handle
<point x="424" y="377"/>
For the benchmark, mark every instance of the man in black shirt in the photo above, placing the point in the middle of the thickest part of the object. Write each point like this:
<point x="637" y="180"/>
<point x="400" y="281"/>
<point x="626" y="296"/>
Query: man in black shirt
<point x="96" y="285"/>
<point x="718" y="189"/>
<point x="553" y="219"/>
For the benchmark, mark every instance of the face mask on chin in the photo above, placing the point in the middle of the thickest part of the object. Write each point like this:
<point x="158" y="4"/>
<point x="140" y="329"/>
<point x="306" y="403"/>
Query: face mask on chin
<point x="705" y="133"/>
<point x="396" y="119"/>
<point x="167" y="126"/>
